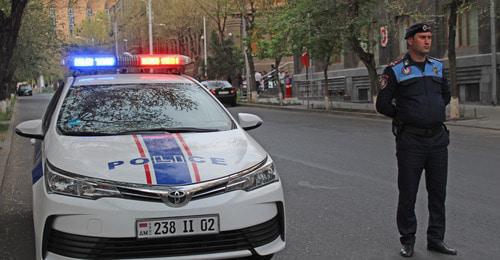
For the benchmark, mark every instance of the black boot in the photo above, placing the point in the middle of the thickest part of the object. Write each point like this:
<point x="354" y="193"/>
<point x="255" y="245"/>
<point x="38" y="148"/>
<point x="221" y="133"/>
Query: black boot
<point x="441" y="247"/>
<point x="406" y="250"/>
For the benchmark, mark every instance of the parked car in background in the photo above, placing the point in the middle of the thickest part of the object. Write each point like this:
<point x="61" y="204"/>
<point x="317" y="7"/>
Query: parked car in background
<point x="223" y="90"/>
<point x="24" y="90"/>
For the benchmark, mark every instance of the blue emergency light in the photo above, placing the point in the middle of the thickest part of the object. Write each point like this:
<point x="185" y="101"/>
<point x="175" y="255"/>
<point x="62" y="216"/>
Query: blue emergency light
<point x="93" y="62"/>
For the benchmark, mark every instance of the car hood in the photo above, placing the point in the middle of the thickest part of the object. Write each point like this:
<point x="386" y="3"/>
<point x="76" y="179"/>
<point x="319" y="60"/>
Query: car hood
<point x="156" y="158"/>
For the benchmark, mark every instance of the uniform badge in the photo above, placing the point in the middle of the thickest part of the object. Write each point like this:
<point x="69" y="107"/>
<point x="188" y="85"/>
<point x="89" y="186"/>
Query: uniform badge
<point x="435" y="69"/>
<point x="406" y="70"/>
<point x="383" y="81"/>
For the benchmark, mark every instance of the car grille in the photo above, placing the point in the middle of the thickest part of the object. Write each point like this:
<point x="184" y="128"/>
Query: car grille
<point x="135" y="194"/>
<point x="85" y="247"/>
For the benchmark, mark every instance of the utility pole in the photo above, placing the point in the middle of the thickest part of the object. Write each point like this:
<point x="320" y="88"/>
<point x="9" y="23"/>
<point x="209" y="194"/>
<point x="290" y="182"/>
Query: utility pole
<point x="150" y="28"/>
<point x="205" y="44"/>
<point x="115" y="33"/>
<point x="494" y="96"/>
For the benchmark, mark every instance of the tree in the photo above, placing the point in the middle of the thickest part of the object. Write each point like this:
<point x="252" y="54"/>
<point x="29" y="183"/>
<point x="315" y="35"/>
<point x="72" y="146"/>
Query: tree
<point x="10" y="23"/>
<point x="38" y="44"/>
<point x="318" y="27"/>
<point x="94" y="31"/>
<point x="247" y="14"/>
<point x="360" y="24"/>
<point x="455" y="7"/>
<point x="274" y="30"/>
<point x="225" y="61"/>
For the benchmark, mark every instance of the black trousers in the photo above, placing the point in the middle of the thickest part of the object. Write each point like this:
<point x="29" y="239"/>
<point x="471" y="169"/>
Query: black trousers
<point x="417" y="153"/>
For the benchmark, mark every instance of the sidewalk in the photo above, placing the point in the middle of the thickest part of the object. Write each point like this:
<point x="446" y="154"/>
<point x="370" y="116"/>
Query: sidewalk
<point x="6" y="144"/>
<point x="476" y="116"/>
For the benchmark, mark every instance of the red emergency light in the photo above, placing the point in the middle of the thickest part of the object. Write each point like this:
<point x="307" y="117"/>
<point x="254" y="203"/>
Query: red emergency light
<point x="162" y="60"/>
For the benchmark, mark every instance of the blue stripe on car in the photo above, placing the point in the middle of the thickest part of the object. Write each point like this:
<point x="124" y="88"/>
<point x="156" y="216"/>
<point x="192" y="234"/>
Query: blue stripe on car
<point x="37" y="172"/>
<point x="167" y="158"/>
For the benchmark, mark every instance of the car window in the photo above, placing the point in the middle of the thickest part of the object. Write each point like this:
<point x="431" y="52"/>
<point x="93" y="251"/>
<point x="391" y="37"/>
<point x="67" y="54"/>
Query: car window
<point x="217" y="84"/>
<point x="47" y="117"/>
<point x="115" y="109"/>
<point x="25" y="87"/>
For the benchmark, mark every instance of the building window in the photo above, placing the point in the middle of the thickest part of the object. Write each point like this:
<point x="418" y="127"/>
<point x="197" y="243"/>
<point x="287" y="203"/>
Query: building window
<point x="71" y="19"/>
<point x="472" y="92"/>
<point x="467" y="28"/>
<point x="363" y="94"/>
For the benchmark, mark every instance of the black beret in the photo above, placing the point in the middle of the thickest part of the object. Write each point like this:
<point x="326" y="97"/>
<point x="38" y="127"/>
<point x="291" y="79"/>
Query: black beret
<point x="417" y="28"/>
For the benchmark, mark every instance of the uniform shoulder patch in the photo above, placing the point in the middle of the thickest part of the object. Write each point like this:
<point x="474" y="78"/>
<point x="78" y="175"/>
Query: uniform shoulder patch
<point x="383" y="80"/>
<point x="396" y="61"/>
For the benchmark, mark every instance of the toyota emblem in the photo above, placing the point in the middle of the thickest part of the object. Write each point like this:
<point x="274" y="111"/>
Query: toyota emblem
<point x="176" y="198"/>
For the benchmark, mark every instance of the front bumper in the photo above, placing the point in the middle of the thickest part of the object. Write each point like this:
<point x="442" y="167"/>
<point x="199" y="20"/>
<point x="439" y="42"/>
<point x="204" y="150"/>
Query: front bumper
<point x="66" y="227"/>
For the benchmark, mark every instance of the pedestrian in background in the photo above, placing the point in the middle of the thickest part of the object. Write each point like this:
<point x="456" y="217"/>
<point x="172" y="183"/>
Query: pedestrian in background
<point x="258" y="79"/>
<point x="414" y="93"/>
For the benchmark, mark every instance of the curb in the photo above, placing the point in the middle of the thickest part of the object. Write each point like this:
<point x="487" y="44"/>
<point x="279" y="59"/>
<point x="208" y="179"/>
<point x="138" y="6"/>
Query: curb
<point x="5" y="148"/>
<point x="338" y="111"/>
<point x="355" y="113"/>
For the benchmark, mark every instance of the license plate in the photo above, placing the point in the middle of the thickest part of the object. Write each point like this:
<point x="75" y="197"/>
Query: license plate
<point x="223" y="92"/>
<point x="178" y="226"/>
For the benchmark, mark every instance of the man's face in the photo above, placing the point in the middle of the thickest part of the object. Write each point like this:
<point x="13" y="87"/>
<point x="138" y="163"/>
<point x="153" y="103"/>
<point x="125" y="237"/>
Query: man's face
<point x="420" y="42"/>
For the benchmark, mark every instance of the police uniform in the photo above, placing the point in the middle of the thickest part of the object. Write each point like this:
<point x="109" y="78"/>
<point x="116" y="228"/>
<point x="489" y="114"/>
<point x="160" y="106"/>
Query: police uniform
<point x="415" y="95"/>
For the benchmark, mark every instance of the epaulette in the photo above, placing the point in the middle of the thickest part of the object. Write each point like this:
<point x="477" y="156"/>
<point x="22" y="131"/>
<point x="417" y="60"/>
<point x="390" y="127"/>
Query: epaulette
<point x="397" y="60"/>
<point x="432" y="58"/>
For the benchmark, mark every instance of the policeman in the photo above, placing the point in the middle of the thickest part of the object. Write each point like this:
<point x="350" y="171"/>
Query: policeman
<point x="414" y="93"/>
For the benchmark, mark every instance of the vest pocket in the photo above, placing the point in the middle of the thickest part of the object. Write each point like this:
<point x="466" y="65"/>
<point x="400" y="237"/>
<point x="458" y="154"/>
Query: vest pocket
<point x="439" y="83"/>
<point x="410" y="88"/>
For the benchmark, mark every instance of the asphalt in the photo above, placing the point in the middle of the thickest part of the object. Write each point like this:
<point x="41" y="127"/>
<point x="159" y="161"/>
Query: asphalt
<point x="475" y="116"/>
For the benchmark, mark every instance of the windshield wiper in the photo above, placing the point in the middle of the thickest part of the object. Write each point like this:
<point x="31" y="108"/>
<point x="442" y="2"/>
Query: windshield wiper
<point x="81" y="133"/>
<point x="169" y="130"/>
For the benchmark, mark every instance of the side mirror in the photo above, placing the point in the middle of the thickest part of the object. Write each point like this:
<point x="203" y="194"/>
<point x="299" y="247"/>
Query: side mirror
<point x="30" y="129"/>
<point x="249" y="121"/>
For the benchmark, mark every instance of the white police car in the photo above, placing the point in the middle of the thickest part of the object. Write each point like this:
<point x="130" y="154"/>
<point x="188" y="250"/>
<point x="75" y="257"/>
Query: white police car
<point x="150" y="166"/>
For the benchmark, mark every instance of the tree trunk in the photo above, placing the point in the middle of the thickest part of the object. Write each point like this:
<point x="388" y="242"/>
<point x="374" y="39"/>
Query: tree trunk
<point x="326" y="90"/>
<point x="277" y="62"/>
<point x="452" y="59"/>
<point x="368" y="60"/>
<point x="9" y="31"/>
<point x="247" y="23"/>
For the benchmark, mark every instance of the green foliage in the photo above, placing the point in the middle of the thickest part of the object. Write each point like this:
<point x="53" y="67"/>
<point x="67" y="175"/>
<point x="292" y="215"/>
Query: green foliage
<point x="225" y="60"/>
<point x="38" y="50"/>
<point x="273" y="32"/>
<point x="95" y="30"/>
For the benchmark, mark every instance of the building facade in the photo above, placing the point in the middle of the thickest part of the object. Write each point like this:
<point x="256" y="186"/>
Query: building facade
<point x="67" y="15"/>
<point x="348" y="78"/>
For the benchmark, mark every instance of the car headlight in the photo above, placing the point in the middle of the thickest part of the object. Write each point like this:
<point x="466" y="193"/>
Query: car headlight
<point x="74" y="185"/>
<point x="255" y="179"/>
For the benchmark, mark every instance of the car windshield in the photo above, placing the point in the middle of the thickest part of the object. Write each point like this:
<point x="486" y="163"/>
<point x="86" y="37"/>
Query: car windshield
<point x="25" y="87"/>
<point x="217" y="84"/>
<point x="125" y="109"/>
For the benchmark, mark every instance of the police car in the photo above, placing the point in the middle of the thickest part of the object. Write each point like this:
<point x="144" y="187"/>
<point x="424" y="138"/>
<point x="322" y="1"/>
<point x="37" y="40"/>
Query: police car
<point x="145" y="165"/>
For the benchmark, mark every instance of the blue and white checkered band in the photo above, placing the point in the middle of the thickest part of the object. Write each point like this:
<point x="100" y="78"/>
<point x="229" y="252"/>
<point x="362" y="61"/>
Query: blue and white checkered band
<point x="433" y="68"/>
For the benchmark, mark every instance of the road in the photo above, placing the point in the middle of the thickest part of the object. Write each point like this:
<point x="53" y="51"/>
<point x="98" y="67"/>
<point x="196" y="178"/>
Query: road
<point x="339" y="175"/>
